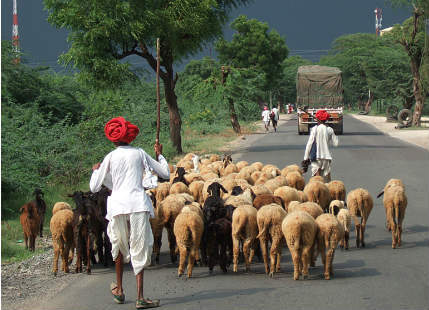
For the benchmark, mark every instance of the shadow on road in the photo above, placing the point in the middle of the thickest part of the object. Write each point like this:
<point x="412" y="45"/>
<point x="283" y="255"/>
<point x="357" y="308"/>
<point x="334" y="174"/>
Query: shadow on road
<point x="367" y="133"/>
<point x="217" y="294"/>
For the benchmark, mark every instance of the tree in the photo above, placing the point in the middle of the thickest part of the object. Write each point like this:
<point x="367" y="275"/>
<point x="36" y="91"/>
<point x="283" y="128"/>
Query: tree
<point x="104" y="32"/>
<point x="411" y="35"/>
<point x="288" y="84"/>
<point x="373" y="67"/>
<point x="252" y="47"/>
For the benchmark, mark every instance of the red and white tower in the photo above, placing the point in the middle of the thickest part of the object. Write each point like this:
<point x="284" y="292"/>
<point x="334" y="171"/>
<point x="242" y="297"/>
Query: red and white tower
<point x="15" y="37"/>
<point x="378" y="19"/>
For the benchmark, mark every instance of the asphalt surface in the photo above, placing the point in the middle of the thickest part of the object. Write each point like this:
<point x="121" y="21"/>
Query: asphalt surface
<point x="375" y="277"/>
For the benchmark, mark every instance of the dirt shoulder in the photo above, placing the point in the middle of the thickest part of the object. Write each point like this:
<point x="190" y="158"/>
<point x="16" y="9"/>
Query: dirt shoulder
<point x="416" y="137"/>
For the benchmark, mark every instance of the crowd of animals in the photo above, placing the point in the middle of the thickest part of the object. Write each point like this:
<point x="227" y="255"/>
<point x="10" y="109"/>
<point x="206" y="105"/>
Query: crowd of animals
<point x="215" y="212"/>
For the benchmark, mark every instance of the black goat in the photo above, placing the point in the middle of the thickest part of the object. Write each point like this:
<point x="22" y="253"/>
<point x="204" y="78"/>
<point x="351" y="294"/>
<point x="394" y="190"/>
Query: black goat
<point x="219" y="241"/>
<point x="180" y="172"/>
<point x="41" y="208"/>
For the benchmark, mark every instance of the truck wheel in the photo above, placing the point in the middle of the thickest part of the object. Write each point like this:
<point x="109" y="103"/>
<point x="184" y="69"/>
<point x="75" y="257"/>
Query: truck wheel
<point x="405" y="117"/>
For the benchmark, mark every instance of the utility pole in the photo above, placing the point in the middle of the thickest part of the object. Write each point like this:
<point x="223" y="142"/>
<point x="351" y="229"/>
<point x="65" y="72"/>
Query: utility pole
<point x="378" y="20"/>
<point x="15" y="36"/>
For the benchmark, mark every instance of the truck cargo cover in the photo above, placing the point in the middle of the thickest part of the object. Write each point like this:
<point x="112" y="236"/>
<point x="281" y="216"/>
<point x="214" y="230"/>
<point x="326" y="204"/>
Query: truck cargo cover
<point x="319" y="86"/>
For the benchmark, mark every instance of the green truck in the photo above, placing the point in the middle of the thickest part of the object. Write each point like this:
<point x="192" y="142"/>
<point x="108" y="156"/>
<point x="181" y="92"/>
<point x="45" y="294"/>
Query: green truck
<point x="319" y="87"/>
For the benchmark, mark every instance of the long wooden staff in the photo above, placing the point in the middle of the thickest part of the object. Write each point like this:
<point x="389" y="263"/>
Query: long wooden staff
<point x="158" y="118"/>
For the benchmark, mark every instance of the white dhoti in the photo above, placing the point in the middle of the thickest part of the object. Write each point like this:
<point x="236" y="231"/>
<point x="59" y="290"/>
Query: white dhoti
<point x="131" y="234"/>
<point x="324" y="165"/>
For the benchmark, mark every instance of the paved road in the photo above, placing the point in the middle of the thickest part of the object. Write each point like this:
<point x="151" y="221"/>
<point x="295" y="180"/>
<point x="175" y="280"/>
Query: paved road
<point x="376" y="277"/>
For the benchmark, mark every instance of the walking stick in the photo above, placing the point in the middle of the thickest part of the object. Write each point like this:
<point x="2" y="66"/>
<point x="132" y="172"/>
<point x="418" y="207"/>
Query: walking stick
<point x="158" y="118"/>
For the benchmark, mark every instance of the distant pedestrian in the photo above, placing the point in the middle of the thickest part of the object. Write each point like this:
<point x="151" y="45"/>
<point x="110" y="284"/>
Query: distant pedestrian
<point x="317" y="149"/>
<point x="128" y="207"/>
<point x="274" y="115"/>
<point x="266" y="117"/>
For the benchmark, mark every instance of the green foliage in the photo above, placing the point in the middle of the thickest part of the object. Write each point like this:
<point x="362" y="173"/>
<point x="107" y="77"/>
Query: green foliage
<point x="371" y="63"/>
<point x="105" y="31"/>
<point x="253" y="47"/>
<point x="288" y="83"/>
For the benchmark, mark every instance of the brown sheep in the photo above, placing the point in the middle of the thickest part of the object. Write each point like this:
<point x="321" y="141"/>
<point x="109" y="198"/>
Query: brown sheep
<point x="270" y="218"/>
<point x="166" y="214"/>
<point x="61" y="205"/>
<point x="390" y="183"/>
<point x="345" y="220"/>
<point x="287" y="194"/>
<point x="178" y="188"/>
<point x="261" y="189"/>
<point x="214" y="157"/>
<point x="311" y="208"/>
<point x="273" y="184"/>
<point x="209" y="176"/>
<point x="281" y="179"/>
<point x="62" y="238"/>
<point x="245" y="229"/>
<point x="300" y="229"/>
<point x="284" y="172"/>
<point x="193" y="176"/>
<point x="337" y="190"/>
<point x="272" y="170"/>
<point x="30" y="222"/>
<point x="231" y="168"/>
<point x="188" y="230"/>
<point x="266" y="199"/>
<point x="162" y="191"/>
<point x="244" y="174"/>
<point x="242" y="164"/>
<point x="302" y="196"/>
<point x="296" y="180"/>
<point x="395" y="203"/>
<point x="330" y="232"/>
<point x="245" y="198"/>
<point x="360" y="203"/>
<point x="257" y="165"/>
<point x="318" y="192"/>
<point x="196" y="189"/>
<point x="317" y="178"/>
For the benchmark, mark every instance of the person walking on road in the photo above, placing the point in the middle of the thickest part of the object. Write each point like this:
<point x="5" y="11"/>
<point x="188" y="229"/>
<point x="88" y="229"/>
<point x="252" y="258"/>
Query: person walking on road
<point x="128" y="207"/>
<point x="317" y="148"/>
<point x="266" y="117"/>
<point x="274" y="115"/>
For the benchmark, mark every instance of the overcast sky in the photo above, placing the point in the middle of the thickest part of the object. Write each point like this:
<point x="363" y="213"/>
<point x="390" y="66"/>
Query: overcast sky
<point x="309" y="26"/>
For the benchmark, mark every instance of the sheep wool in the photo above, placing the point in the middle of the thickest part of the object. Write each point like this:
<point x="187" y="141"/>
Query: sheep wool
<point x="360" y="203"/>
<point x="60" y="205"/>
<point x="299" y="229"/>
<point x="269" y="219"/>
<point x="61" y="226"/>
<point x="330" y="232"/>
<point x="395" y="203"/>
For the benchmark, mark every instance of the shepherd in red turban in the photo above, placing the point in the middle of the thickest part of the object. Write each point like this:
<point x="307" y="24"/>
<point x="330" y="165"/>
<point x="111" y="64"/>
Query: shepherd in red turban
<point x="322" y="115"/>
<point x="120" y="130"/>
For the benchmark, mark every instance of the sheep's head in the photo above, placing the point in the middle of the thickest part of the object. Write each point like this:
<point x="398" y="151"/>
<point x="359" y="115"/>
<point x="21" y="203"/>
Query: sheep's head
<point x="227" y="159"/>
<point x="214" y="189"/>
<point x="236" y="190"/>
<point x="180" y="172"/>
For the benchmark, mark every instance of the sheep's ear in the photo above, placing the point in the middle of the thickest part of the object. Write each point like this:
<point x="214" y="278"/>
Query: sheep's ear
<point x="21" y="209"/>
<point x="381" y="194"/>
<point x="336" y="209"/>
<point x="223" y="189"/>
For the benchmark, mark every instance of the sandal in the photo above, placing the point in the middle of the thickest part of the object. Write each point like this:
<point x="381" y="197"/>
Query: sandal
<point x="119" y="299"/>
<point x="147" y="303"/>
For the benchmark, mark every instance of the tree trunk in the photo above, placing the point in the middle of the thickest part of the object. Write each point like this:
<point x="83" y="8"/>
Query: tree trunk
<point x="234" y="120"/>
<point x="418" y="93"/>
<point x="369" y="103"/>
<point x="173" y="111"/>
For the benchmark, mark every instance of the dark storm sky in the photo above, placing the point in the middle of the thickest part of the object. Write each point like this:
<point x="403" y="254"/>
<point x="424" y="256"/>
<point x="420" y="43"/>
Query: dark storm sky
<point x="309" y="26"/>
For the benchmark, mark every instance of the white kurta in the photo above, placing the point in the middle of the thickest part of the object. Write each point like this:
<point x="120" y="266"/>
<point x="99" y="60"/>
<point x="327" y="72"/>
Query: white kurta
<point x="129" y="207"/>
<point x="324" y="136"/>
<point x="276" y="113"/>
<point x="122" y="171"/>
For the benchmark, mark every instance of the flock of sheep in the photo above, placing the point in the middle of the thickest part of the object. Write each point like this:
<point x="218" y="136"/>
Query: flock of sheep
<point x="215" y="211"/>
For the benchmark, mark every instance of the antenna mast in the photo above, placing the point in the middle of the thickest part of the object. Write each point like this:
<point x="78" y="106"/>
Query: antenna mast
<point x="378" y="19"/>
<point x="15" y="36"/>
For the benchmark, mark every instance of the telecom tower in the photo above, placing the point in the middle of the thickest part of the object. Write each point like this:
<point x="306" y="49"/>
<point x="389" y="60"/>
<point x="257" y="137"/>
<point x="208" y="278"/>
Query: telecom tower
<point x="378" y="19"/>
<point x="15" y="37"/>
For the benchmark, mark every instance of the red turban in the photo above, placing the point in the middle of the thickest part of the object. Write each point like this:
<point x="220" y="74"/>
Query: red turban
<point x="120" y="130"/>
<point x="322" y="115"/>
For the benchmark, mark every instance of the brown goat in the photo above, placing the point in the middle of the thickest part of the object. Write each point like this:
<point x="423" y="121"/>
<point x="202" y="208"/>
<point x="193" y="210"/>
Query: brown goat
<point x="30" y="222"/>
